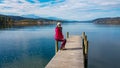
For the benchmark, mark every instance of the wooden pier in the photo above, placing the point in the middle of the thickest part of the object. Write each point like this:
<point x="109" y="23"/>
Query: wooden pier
<point x="73" y="57"/>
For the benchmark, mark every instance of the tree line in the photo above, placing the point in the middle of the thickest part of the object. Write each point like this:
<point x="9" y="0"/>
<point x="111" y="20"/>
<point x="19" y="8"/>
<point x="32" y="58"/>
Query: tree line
<point x="18" y="21"/>
<point x="6" y="22"/>
<point x="114" y="20"/>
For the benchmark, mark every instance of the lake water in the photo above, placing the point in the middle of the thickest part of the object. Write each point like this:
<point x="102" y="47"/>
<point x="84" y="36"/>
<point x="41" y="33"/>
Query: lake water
<point x="33" y="47"/>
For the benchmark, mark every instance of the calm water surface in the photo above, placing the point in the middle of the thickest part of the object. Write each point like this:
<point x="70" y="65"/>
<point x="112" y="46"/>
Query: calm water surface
<point x="33" y="47"/>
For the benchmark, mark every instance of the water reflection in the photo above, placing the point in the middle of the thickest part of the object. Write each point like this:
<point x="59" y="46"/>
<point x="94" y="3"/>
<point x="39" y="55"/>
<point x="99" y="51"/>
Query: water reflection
<point x="33" y="47"/>
<point x="26" y="48"/>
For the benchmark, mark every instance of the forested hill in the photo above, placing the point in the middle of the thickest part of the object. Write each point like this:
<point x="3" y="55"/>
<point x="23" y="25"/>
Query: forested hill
<point x="9" y="21"/>
<point x="114" y="20"/>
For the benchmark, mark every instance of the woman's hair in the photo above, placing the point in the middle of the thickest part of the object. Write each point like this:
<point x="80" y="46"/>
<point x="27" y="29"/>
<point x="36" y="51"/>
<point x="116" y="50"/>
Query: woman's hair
<point x="59" y="24"/>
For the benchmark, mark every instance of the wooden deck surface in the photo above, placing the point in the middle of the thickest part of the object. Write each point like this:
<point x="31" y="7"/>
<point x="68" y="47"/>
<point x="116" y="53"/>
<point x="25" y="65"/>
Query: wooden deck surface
<point x="70" y="58"/>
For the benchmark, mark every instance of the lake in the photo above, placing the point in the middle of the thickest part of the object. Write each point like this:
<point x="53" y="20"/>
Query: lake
<point x="33" y="47"/>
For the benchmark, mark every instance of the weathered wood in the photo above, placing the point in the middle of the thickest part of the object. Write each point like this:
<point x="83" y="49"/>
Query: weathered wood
<point x="56" y="46"/>
<point x="70" y="58"/>
<point x="67" y="35"/>
<point x="86" y="46"/>
<point x="83" y="35"/>
<point x="85" y="38"/>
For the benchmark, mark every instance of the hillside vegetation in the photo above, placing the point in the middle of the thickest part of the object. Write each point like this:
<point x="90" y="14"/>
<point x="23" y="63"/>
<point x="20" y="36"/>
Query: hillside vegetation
<point x="9" y="21"/>
<point x="115" y="20"/>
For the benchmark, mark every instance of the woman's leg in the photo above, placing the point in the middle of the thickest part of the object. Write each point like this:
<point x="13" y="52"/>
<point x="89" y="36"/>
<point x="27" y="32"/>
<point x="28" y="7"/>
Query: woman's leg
<point x="63" y="44"/>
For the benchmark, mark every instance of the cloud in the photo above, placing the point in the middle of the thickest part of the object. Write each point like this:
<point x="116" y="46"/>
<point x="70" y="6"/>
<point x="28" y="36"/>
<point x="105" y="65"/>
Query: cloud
<point x="66" y="9"/>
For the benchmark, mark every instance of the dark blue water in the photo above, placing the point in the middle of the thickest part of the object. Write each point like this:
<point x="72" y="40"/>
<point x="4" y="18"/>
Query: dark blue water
<point x="33" y="47"/>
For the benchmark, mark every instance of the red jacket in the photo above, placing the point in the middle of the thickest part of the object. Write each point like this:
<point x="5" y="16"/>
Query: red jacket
<point x="58" y="33"/>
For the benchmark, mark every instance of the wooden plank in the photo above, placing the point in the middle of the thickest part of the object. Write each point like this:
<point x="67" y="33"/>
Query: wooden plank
<point x="70" y="58"/>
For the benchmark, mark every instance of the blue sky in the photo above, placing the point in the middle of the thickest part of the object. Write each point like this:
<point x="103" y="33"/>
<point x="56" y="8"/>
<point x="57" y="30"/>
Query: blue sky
<point x="64" y="9"/>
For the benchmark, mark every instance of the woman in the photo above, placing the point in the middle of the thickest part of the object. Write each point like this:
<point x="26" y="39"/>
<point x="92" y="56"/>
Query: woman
<point x="59" y="36"/>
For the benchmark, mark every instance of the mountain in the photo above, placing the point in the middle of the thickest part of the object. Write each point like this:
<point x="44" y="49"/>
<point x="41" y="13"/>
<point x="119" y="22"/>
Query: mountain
<point x="111" y="20"/>
<point x="16" y="18"/>
<point x="30" y="16"/>
<point x="7" y="21"/>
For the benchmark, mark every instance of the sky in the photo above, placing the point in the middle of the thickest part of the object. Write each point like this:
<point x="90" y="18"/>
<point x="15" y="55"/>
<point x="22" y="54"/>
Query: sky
<point x="79" y="10"/>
